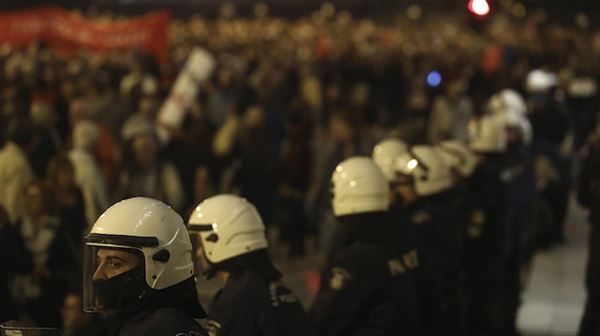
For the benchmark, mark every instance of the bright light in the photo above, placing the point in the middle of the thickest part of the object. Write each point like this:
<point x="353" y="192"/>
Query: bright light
<point x="434" y="78"/>
<point x="412" y="164"/>
<point x="479" y="7"/>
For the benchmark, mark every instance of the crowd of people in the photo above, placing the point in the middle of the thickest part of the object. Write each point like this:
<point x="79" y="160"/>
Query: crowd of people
<point x="290" y="100"/>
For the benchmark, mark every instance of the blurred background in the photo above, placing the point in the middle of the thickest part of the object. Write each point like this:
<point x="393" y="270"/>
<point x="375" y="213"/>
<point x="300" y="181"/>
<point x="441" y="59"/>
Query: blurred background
<point x="297" y="86"/>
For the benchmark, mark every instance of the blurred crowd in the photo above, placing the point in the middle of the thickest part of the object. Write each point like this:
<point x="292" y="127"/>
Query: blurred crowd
<point x="287" y="102"/>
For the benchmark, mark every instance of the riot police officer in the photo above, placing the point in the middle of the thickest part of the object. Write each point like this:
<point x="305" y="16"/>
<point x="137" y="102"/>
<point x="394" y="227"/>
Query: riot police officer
<point x="232" y="245"/>
<point x="366" y="287"/>
<point x="423" y="184"/>
<point x="518" y="177"/>
<point x="475" y="229"/>
<point x="485" y="235"/>
<point x="138" y="267"/>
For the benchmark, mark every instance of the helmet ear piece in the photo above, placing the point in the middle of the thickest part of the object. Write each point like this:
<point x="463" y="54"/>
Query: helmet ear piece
<point x="162" y="256"/>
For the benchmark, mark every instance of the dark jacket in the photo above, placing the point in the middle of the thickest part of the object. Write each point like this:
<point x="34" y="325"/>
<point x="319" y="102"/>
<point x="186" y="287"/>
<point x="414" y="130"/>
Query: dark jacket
<point x="14" y="258"/>
<point x="162" y="321"/>
<point x="370" y="286"/>
<point x="438" y="229"/>
<point x="252" y="304"/>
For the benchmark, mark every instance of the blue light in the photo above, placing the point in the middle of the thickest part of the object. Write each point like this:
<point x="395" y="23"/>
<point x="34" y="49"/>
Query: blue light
<point x="434" y="78"/>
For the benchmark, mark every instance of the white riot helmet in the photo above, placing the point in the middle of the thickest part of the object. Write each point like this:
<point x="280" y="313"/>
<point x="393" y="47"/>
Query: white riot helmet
<point x="486" y="135"/>
<point x="458" y="156"/>
<point x="359" y="186"/>
<point x="148" y="228"/>
<point x="540" y="81"/>
<point x="429" y="173"/>
<point x="507" y="99"/>
<point x="513" y="119"/>
<point x="229" y="226"/>
<point x="385" y="153"/>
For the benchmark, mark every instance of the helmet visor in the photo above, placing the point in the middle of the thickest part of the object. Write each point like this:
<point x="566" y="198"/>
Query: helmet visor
<point x="201" y="263"/>
<point x="102" y="262"/>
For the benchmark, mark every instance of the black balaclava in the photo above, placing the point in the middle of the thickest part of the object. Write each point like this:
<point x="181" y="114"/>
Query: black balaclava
<point x="124" y="293"/>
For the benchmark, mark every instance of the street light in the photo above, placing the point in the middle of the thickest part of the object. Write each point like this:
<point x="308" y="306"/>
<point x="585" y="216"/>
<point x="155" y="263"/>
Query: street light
<point x="479" y="8"/>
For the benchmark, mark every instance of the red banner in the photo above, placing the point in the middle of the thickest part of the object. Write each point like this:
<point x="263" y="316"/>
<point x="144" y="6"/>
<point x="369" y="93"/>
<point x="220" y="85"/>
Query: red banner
<point x="68" y="32"/>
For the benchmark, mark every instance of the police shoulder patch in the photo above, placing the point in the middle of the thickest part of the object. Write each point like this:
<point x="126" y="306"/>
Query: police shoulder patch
<point x="339" y="278"/>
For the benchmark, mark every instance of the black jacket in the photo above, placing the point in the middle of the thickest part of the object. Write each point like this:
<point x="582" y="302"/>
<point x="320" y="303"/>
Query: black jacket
<point x="370" y="285"/>
<point x="483" y="210"/>
<point x="168" y="312"/>
<point x="14" y="258"/>
<point x="252" y="304"/>
<point x="438" y="229"/>
<point x="165" y="321"/>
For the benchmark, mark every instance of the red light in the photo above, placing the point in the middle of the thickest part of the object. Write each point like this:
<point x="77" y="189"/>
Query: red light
<point x="479" y="7"/>
<point x="313" y="281"/>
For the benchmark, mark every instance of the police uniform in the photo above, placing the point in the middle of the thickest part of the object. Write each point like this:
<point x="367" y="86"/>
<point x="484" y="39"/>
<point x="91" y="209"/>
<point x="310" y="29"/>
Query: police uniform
<point x="482" y="209"/>
<point x="14" y="258"/>
<point x="519" y="181"/>
<point x="249" y="304"/>
<point x="369" y="287"/>
<point x="434" y="219"/>
<point x="160" y="321"/>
